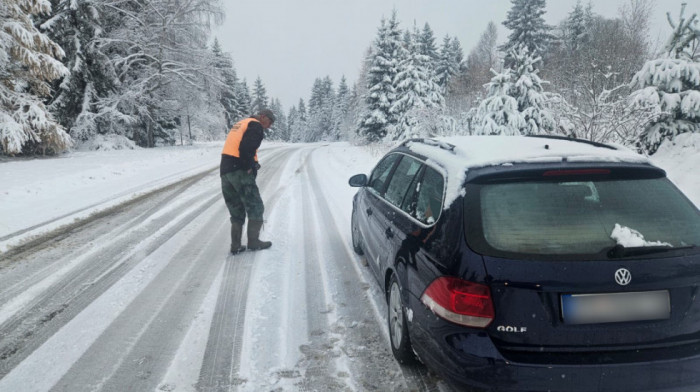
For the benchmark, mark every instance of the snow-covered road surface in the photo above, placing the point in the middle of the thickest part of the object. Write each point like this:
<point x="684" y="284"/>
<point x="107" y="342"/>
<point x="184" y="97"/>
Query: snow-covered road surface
<point x="145" y="298"/>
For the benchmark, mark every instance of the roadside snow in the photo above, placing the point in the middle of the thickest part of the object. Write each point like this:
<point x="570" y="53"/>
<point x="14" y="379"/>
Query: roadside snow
<point x="75" y="185"/>
<point x="681" y="160"/>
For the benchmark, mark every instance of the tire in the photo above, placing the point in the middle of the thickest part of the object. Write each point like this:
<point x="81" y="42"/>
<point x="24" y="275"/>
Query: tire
<point x="356" y="243"/>
<point x="398" y="325"/>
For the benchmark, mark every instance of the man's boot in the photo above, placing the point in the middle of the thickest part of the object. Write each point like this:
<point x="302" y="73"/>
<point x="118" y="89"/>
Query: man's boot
<point x="254" y="242"/>
<point x="236" y="233"/>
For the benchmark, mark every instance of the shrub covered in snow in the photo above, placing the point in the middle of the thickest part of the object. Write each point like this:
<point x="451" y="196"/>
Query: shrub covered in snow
<point x="669" y="87"/>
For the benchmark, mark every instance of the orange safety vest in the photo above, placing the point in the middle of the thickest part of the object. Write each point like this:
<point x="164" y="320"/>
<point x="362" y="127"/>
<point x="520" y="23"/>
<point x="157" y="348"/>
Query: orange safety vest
<point x="235" y="135"/>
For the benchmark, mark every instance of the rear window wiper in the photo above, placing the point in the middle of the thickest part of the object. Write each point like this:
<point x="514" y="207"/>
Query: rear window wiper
<point x="619" y="251"/>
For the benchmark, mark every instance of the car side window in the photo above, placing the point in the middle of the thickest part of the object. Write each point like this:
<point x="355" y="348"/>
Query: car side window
<point x="429" y="200"/>
<point x="381" y="172"/>
<point x="401" y="180"/>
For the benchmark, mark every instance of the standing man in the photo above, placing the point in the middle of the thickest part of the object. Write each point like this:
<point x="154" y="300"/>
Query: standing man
<point x="239" y="167"/>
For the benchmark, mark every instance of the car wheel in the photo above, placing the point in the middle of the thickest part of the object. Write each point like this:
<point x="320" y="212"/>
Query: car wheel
<point x="398" y="326"/>
<point x="356" y="244"/>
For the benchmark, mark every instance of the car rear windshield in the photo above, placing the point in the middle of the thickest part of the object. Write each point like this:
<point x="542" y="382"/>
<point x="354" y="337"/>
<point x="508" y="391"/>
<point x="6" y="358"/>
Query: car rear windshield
<point x="578" y="217"/>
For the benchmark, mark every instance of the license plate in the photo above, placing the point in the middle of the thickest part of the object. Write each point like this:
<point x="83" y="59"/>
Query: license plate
<point x="615" y="307"/>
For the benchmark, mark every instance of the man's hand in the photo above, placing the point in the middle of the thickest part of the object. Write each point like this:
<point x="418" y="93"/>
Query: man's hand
<point x="254" y="170"/>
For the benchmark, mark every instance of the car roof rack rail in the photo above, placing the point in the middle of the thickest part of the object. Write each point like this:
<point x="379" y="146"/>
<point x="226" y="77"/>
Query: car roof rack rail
<point x="572" y="139"/>
<point x="430" y="142"/>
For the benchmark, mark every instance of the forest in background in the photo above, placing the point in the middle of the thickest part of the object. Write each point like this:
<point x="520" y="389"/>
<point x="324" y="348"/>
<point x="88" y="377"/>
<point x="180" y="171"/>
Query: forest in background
<point x="124" y="73"/>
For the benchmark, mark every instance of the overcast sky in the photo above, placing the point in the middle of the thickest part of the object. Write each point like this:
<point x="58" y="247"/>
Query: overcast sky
<point x="289" y="43"/>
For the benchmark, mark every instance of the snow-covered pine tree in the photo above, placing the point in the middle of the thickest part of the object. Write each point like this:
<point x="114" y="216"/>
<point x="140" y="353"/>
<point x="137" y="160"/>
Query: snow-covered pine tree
<point x="299" y="130"/>
<point x="77" y="28"/>
<point x="526" y="23"/>
<point x="279" y="130"/>
<point x="326" y="110"/>
<point x="576" y="28"/>
<point x="224" y="65"/>
<point x="448" y="64"/>
<point x="528" y="91"/>
<point x="383" y="67"/>
<point x="292" y="119"/>
<point x="417" y="92"/>
<point x="498" y="113"/>
<point x="340" y="110"/>
<point x="260" y="99"/>
<point x="28" y="63"/>
<point x="530" y="115"/>
<point x="670" y="86"/>
<point x="426" y="45"/>
<point x="245" y="102"/>
<point x="320" y="109"/>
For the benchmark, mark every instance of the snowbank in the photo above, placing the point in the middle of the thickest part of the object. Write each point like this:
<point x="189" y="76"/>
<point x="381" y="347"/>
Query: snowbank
<point x="681" y="160"/>
<point x="61" y="189"/>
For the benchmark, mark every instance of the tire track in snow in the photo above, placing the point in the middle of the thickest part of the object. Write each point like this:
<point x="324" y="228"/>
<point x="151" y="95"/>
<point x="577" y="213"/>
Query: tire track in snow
<point x="379" y="363"/>
<point x="144" y="338"/>
<point x="222" y="358"/>
<point x="50" y="305"/>
<point x="65" y="347"/>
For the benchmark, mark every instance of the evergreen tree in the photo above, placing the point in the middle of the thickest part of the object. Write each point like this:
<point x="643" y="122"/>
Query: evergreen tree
<point x="415" y="86"/>
<point x="427" y="46"/>
<point x="279" y="130"/>
<point x="517" y="103"/>
<point x="383" y="67"/>
<point x="28" y="63"/>
<point x="245" y="102"/>
<point x="670" y="86"/>
<point x="498" y="113"/>
<point x="576" y="28"/>
<point x="298" y="124"/>
<point x="292" y="120"/>
<point x="448" y="63"/>
<point x="260" y="98"/>
<point x="528" y="28"/>
<point x="77" y="27"/>
<point x="224" y="65"/>
<point x="340" y="110"/>
<point x="320" y="109"/>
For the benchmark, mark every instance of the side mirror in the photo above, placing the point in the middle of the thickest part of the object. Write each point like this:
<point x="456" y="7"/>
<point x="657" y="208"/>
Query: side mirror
<point x="358" y="180"/>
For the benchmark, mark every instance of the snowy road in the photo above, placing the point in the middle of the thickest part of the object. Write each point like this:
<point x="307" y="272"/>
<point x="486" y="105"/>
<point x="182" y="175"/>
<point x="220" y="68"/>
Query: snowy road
<point x="144" y="298"/>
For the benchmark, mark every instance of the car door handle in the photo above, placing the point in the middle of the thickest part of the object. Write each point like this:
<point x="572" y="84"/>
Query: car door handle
<point x="389" y="233"/>
<point x="369" y="211"/>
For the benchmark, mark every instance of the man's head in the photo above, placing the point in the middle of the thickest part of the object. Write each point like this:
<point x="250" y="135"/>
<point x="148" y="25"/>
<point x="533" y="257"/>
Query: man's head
<point x="266" y="118"/>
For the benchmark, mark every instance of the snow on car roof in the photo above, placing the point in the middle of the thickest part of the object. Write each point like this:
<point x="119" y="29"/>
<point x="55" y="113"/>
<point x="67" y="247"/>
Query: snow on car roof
<point x="481" y="151"/>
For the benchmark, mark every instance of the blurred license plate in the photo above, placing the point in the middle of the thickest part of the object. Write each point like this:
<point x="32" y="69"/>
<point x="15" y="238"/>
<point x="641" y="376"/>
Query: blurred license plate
<point x="615" y="307"/>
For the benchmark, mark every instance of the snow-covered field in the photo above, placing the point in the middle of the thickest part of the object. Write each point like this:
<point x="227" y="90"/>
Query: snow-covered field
<point x="165" y="303"/>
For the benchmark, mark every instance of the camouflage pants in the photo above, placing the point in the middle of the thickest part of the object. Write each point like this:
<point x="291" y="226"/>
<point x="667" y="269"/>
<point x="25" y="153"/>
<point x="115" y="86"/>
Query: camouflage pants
<point x="242" y="196"/>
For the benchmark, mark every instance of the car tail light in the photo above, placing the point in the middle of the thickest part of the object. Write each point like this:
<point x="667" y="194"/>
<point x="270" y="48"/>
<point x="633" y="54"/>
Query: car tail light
<point x="460" y="301"/>
<point x="577" y="172"/>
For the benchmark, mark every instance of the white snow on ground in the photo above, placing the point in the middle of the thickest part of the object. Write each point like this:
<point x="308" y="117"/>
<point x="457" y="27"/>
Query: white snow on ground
<point x="681" y="160"/>
<point x="75" y="185"/>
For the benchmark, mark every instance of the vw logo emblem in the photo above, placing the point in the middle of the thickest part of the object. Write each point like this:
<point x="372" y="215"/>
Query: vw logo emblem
<point x="623" y="276"/>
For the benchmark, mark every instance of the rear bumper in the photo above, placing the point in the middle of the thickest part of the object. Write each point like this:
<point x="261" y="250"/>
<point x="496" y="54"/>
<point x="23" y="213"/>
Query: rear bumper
<point x="470" y="359"/>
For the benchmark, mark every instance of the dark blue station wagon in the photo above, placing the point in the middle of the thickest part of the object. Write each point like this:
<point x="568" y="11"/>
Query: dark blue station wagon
<point x="534" y="264"/>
